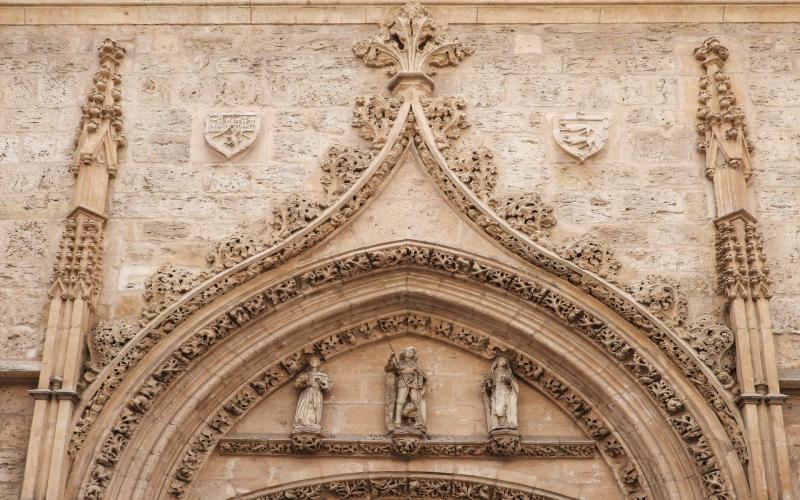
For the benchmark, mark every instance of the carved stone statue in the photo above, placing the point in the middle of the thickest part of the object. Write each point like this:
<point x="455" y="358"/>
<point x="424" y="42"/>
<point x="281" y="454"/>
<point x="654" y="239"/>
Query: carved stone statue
<point x="312" y="383"/>
<point x="500" y="390"/>
<point x="405" y="393"/>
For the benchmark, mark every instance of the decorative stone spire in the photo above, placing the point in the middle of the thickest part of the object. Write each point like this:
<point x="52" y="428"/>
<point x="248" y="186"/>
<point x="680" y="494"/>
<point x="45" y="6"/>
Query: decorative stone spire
<point x="721" y="127"/>
<point x="101" y="116"/>
<point x="410" y="45"/>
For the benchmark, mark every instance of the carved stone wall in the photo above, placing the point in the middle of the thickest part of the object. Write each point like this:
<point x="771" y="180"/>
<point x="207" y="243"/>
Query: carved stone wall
<point x="644" y="195"/>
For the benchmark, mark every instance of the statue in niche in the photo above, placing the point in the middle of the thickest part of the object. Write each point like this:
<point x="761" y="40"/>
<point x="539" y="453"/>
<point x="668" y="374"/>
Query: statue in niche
<point x="405" y="393"/>
<point x="312" y="383"/>
<point x="500" y="390"/>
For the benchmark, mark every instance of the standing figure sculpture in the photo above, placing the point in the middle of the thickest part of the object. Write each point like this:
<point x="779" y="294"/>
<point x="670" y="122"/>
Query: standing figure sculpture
<point x="312" y="383"/>
<point x="405" y="393"/>
<point x="500" y="390"/>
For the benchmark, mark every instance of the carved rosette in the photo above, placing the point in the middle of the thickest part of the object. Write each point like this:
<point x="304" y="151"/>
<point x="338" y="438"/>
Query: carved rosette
<point x="722" y="129"/>
<point x="592" y="254"/>
<point x="412" y="42"/>
<point x="663" y="296"/>
<point x="374" y="117"/>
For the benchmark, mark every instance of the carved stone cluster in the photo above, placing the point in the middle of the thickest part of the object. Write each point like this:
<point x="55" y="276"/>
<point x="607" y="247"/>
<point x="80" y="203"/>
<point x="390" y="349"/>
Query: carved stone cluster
<point x="663" y="297"/>
<point x="374" y="117"/>
<point x="723" y="134"/>
<point x="382" y="447"/>
<point x="713" y="343"/>
<point x="410" y="485"/>
<point x="412" y="42"/>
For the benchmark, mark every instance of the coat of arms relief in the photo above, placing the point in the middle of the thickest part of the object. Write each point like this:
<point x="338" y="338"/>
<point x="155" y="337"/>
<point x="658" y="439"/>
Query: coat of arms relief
<point x="581" y="135"/>
<point x="232" y="133"/>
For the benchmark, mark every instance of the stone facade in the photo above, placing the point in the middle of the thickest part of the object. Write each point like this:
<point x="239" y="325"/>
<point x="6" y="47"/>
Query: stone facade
<point x="639" y="213"/>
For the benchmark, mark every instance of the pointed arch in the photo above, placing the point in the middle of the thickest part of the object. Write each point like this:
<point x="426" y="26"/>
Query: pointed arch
<point x="495" y="298"/>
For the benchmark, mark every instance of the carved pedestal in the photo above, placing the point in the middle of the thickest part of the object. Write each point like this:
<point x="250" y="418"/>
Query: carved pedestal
<point x="407" y="441"/>
<point x="504" y="442"/>
<point x="306" y="441"/>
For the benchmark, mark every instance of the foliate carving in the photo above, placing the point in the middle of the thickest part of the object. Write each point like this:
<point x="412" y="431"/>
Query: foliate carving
<point x="476" y="169"/>
<point x="400" y="485"/>
<point x="342" y="168"/>
<point x="165" y="286"/>
<point x="446" y="118"/>
<point x="292" y="215"/>
<point x="723" y="134"/>
<point x="374" y="116"/>
<point x="591" y="253"/>
<point x="234" y="249"/>
<point x="581" y="135"/>
<point x="101" y="116"/>
<point x="412" y="42"/>
<point x="79" y="259"/>
<point x="371" y="446"/>
<point x="232" y="133"/>
<point x="528" y="213"/>
<point x="713" y="343"/>
<point x="663" y="296"/>
<point x="104" y="342"/>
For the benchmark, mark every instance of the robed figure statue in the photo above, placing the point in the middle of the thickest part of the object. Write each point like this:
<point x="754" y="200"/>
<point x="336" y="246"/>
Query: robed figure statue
<point x="500" y="390"/>
<point x="311" y="383"/>
<point x="405" y="393"/>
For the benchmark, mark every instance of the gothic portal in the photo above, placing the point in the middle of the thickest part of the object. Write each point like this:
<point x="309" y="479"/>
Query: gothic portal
<point x="516" y="257"/>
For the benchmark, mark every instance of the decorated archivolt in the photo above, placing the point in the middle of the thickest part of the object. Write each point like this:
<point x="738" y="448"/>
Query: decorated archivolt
<point x="410" y="46"/>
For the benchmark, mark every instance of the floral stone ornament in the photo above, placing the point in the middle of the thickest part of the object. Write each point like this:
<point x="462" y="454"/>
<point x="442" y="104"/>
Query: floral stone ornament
<point x="232" y="133"/>
<point x="581" y="135"/>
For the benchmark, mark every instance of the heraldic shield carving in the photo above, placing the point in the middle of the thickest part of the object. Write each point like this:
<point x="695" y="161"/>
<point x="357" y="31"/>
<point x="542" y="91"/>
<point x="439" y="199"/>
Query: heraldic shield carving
<point x="232" y="133"/>
<point x="581" y="135"/>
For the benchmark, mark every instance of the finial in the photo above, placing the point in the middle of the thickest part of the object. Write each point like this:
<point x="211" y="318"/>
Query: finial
<point x="411" y="45"/>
